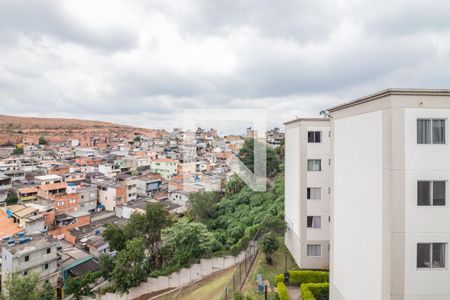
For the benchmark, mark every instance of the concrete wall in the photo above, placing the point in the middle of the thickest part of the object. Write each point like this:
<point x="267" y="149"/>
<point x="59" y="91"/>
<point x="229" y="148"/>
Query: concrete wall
<point x="181" y="278"/>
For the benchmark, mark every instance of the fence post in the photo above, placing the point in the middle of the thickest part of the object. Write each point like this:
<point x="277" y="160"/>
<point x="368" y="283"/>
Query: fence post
<point x="245" y="262"/>
<point x="233" y="284"/>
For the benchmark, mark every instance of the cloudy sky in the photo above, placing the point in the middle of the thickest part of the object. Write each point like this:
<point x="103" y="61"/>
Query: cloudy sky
<point x="143" y="62"/>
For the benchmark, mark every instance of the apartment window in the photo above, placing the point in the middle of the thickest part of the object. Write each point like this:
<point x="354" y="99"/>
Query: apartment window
<point x="314" y="250"/>
<point x="49" y="250"/>
<point x="430" y="131"/>
<point x="27" y="258"/>
<point x="46" y="267"/>
<point x="314" y="165"/>
<point x="313" y="221"/>
<point x="431" y="193"/>
<point x="314" y="136"/>
<point x="431" y="255"/>
<point x="313" y="193"/>
<point x="25" y="273"/>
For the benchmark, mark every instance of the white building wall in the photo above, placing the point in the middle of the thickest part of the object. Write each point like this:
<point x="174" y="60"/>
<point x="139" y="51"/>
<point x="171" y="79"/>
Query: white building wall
<point x="292" y="190"/>
<point x="425" y="223"/>
<point x="298" y="179"/>
<point x="357" y="220"/>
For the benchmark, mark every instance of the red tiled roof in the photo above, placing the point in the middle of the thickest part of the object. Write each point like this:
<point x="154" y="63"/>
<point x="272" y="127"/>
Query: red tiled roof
<point x="53" y="186"/>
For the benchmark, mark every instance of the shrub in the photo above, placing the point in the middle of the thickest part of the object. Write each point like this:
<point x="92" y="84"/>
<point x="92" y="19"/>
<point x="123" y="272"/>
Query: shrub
<point x="315" y="291"/>
<point x="282" y="291"/>
<point x="279" y="278"/>
<point x="297" y="277"/>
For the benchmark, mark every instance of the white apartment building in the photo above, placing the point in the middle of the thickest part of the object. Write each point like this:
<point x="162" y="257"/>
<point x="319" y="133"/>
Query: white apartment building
<point x="307" y="191"/>
<point x="390" y="202"/>
<point x="30" y="255"/>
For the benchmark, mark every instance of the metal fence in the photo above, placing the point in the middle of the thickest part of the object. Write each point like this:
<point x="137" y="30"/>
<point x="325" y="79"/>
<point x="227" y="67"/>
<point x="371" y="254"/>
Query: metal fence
<point x="242" y="270"/>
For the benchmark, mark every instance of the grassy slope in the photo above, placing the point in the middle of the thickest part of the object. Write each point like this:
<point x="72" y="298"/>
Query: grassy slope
<point x="209" y="288"/>
<point x="268" y="271"/>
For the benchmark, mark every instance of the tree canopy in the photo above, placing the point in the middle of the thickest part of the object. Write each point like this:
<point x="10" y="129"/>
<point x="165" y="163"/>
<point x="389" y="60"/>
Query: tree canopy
<point x="80" y="286"/>
<point x="269" y="244"/>
<point x="186" y="241"/>
<point x="42" y="141"/>
<point x="27" y="288"/>
<point x="131" y="266"/>
<point x="202" y="205"/>
<point x="246" y="155"/>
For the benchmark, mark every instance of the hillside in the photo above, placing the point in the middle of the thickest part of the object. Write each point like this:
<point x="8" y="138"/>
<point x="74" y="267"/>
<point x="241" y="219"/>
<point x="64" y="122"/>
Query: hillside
<point x="14" y="129"/>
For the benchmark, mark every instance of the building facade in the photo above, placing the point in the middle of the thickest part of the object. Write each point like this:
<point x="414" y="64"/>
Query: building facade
<point x="31" y="255"/>
<point x="390" y="210"/>
<point x="307" y="191"/>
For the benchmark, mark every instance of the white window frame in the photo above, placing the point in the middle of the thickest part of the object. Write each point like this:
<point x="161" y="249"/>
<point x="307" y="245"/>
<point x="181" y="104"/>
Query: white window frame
<point x="431" y="256"/>
<point x="431" y="192"/>
<point x="314" y="160"/>
<point x="315" y="248"/>
<point x="313" y="222"/>
<point x="309" y="193"/>
<point x="431" y="130"/>
<point x="315" y="141"/>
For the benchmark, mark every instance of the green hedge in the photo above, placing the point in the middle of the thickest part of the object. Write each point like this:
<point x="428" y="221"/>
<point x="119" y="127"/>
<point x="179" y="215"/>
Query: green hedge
<point x="282" y="291"/>
<point x="279" y="278"/>
<point x="315" y="291"/>
<point x="297" y="277"/>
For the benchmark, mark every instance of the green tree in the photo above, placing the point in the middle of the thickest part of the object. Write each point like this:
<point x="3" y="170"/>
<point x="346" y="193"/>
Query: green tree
<point x="27" y="288"/>
<point x="131" y="266"/>
<point x="81" y="286"/>
<point x="188" y="240"/>
<point x="42" y="141"/>
<point x="18" y="150"/>
<point x="273" y="224"/>
<point x="149" y="226"/>
<point x="115" y="237"/>
<point x="47" y="292"/>
<point x="280" y="150"/>
<point x="202" y="205"/>
<point x="11" y="198"/>
<point x="107" y="264"/>
<point x="246" y="154"/>
<point x="269" y="244"/>
<point x="234" y="185"/>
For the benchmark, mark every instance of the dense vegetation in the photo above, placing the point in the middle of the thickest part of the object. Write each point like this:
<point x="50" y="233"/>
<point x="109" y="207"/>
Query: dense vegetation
<point x="246" y="155"/>
<point x="27" y="288"/>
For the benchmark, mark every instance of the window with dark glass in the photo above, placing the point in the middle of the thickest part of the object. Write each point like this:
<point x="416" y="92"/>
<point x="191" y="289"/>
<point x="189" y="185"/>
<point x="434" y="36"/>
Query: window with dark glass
<point x="313" y="193"/>
<point x="313" y="221"/>
<point x="431" y="255"/>
<point x="314" y="136"/>
<point x="431" y="193"/>
<point x="431" y="131"/>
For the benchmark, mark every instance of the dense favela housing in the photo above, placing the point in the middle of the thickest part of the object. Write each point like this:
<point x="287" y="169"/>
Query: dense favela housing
<point x="58" y="193"/>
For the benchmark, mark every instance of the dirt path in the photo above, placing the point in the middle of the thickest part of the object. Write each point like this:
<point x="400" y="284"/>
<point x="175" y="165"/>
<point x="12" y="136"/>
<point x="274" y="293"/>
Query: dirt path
<point x="294" y="292"/>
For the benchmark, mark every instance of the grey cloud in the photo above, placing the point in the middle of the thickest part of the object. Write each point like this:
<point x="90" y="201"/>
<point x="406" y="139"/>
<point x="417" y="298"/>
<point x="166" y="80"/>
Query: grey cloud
<point x="39" y="18"/>
<point x="299" y="57"/>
